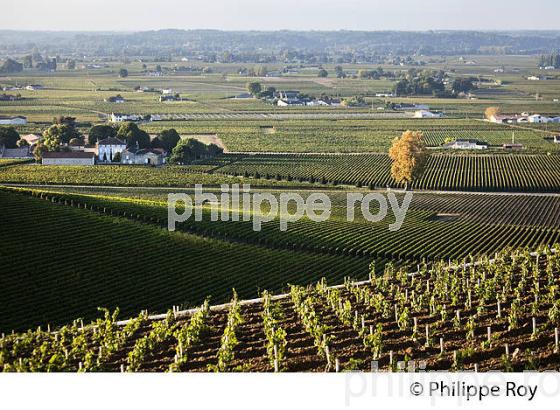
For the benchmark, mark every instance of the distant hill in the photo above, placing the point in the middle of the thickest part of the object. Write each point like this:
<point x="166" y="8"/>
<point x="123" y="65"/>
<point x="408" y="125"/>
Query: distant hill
<point x="342" y="44"/>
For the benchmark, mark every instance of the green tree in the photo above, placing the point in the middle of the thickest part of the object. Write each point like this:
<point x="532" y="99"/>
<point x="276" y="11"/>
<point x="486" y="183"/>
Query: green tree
<point x="191" y="150"/>
<point x="11" y="66"/>
<point x="123" y="73"/>
<point x="133" y="136"/>
<point x="323" y="73"/>
<point x="463" y="85"/>
<point x="8" y="137"/>
<point x="28" y="61"/>
<point x="52" y="137"/>
<point x="100" y="132"/>
<point x="168" y="139"/>
<point x="62" y="133"/>
<point x="38" y="151"/>
<point x="254" y="88"/>
<point x="71" y="65"/>
<point x="339" y="72"/>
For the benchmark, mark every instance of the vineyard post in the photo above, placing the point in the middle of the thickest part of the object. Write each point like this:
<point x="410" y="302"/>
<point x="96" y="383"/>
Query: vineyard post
<point x="363" y="322"/>
<point x="391" y="358"/>
<point x="427" y="335"/>
<point x="489" y="331"/>
<point x="370" y="329"/>
<point x="441" y="345"/>
<point x="122" y="368"/>
<point x="507" y="350"/>
<point x="476" y="367"/>
<point x="534" y="326"/>
<point x="499" y="309"/>
<point x="556" y="339"/>
<point x="458" y="313"/>
<point x="337" y="365"/>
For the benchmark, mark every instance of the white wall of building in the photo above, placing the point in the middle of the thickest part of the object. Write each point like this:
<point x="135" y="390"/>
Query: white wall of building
<point x="68" y="161"/>
<point x="109" y="150"/>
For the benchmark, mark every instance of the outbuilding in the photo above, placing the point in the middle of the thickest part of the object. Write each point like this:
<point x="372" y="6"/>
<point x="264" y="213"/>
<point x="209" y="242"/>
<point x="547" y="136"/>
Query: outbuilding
<point x="68" y="158"/>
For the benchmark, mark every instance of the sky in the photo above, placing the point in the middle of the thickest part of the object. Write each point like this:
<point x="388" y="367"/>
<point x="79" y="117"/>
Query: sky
<point x="137" y="15"/>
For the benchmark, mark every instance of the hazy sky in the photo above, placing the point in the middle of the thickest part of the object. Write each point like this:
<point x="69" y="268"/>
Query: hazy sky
<point x="279" y="14"/>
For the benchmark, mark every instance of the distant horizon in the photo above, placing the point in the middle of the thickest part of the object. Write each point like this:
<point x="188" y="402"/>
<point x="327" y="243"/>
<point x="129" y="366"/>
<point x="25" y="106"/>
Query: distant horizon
<point x="269" y="15"/>
<point x="435" y="30"/>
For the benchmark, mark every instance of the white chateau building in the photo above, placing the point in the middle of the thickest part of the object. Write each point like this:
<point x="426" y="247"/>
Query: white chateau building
<point x="108" y="148"/>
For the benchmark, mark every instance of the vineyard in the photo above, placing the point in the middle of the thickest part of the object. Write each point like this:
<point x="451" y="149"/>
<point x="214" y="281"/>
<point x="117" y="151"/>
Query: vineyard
<point x="486" y="173"/>
<point x="513" y="173"/>
<point x="4" y="162"/>
<point x="482" y="315"/>
<point x="349" y="136"/>
<point x="115" y="175"/>
<point x="436" y="226"/>
<point x="73" y="260"/>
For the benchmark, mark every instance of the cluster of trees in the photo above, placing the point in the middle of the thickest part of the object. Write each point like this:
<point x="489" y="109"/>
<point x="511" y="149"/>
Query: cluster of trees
<point x="355" y="101"/>
<point x="463" y="85"/>
<point x="64" y="133"/>
<point x="11" y="66"/>
<point x="550" y="60"/>
<point x="61" y="133"/>
<point x="426" y="82"/>
<point x="36" y="60"/>
<point x="257" y="90"/>
<point x="187" y="151"/>
<point x="375" y="74"/>
<point x="258" y="71"/>
<point x="420" y="83"/>
<point x="9" y="138"/>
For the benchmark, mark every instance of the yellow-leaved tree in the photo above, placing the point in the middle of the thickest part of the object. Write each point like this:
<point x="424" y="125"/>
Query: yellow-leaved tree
<point x="409" y="155"/>
<point x="492" y="112"/>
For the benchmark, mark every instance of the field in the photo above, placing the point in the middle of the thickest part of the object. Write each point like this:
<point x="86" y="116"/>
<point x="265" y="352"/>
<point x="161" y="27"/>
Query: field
<point x="500" y="314"/>
<point x="514" y="173"/>
<point x="108" y="228"/>
<point x="112" y="261"/>
<point x="485" y="173"/>
<point x="115" y="175"/>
